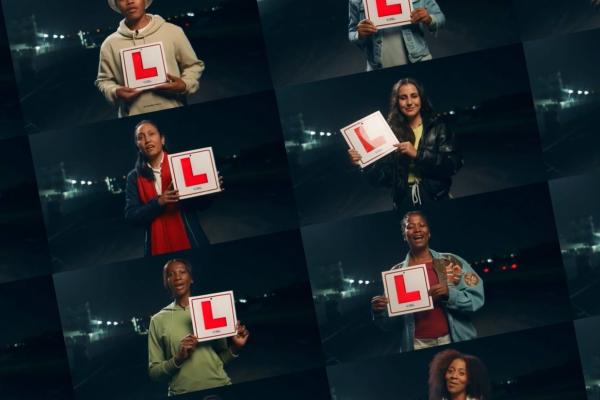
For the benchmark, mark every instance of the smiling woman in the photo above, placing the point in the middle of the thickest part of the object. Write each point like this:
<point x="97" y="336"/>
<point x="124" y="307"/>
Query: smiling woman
<point x="152" y="202"/>
<point x="457" y="376"/>
<point x="455" y="288"/>
<point x="421" y="169"/>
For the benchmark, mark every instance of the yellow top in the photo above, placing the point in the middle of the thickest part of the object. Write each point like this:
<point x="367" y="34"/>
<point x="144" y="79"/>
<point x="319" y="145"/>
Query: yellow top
<point x="411" y="169"/>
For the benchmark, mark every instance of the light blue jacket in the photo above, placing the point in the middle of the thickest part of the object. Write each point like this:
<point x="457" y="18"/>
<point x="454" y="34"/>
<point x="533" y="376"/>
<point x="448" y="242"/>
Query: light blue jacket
<point x="463" y="299"/>
<point x="413" y="35"/>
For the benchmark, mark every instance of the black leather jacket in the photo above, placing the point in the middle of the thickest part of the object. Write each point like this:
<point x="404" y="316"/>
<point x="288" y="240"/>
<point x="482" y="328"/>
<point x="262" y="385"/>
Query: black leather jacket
<point x="437" y="161"/>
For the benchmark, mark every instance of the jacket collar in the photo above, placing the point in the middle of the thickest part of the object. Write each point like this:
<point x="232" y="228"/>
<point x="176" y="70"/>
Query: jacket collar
<point x="434" y="254"/>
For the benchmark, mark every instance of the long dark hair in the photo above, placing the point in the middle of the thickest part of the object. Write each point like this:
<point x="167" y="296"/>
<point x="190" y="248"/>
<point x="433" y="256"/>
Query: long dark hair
<point x="141" y="163"/>
<point x="478" y="385"/>
<point x="398" y="121"/>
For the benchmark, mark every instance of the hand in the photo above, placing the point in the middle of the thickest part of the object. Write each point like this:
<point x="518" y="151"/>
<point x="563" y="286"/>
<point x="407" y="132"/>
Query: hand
<point x="365" y="28"/>
<point x="407" y="149"/>
<point x="379" y="303"/>
<point x="438" y="292"/>
<point x="169" y="196"/>
<point x="187" y="345"/>
<point x="174" y="85"/>
<point x="421" y="15"/>
<point x="239" y="340"/>
<point x="127" y="94"/>
<point x="220" y="181"/>
<point x="354" y="156"/>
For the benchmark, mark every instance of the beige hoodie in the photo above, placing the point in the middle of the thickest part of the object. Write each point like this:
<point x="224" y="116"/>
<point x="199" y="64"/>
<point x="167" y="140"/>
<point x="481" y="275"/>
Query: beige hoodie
<point x="180" y="58"/>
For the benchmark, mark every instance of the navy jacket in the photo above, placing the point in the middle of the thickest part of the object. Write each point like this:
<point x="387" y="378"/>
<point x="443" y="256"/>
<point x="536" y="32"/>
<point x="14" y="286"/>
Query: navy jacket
<point x="139" y="214"/>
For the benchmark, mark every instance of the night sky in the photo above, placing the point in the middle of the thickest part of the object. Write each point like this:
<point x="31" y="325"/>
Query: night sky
<point x="473" y="228"/>
<point x="574" y="56"/>
<point x="107" y="149"/>
<point x="506" y="356"/>
<point x="574" y="198"/>
<point x="28" y="310"/>
<point x="553" y="17"/>
<point x="248" y="267"/>
<point x="460" y="81"/>
<point x="86" y="15"/>
<point x="589" y="346"/>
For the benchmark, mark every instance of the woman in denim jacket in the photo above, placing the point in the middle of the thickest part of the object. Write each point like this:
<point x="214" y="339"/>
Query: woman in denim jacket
<point x="394" y="46"/>
<point x="456" y="290"/>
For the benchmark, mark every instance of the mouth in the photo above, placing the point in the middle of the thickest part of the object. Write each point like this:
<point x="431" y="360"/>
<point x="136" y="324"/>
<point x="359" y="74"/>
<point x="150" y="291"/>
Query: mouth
<point x="131" y="10"/>
<point x="417" y="238"/>
<point x="149" y="148"/>
<point x="179" y="287"/>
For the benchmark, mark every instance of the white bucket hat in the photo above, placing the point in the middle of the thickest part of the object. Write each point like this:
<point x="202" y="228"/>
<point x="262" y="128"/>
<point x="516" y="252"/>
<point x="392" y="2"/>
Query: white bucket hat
<point x="113" y="5"/>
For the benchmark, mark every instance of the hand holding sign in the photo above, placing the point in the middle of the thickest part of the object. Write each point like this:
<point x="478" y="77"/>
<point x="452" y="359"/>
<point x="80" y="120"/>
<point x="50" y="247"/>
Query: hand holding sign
<point x="365" y="28"/>
<point x="420" y="15"/>
<point x="144" y="66"/>
<point x="168" y="196"/>
<point x="127" y="94"/>
<point x="195" y="173"/>
<point x="241" y="336"/>
<point x="388" y="13"/>
<point x="174" y="85"/>
<point x="369" y="139"/>
<point x="407" y="290"/>
<point x="187" y="345"/>
<point x="214" y="316"/>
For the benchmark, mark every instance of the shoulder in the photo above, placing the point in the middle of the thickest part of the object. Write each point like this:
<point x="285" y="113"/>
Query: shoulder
<point x="108" y="42"/>
<point x="158" y="318"/>
<point x="170" y="28"/>
<point x="452" y="257"/>
<point x="132" y="176"/>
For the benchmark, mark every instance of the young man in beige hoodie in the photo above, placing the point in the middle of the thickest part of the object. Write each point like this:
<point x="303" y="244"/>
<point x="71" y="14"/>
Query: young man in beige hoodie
<point x="137" y="28"/>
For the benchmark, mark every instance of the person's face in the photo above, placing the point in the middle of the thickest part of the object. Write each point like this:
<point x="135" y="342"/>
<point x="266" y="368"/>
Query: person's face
<point x="179" y="279"/>
<point x="409" y="101"/>
<point x="417" y="232"/>
<point x="133" y="10"/>
<point x="149" y="141"/>
<point x="457" y="377"/>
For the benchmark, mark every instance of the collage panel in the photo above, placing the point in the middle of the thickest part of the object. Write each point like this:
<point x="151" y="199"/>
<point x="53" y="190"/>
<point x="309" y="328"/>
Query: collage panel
<point x="311" y="384"/>
<point x="545" y="18"/>
<point x="125" y="340"/>
<point x="589" y="350"/>
<point x="535" y="364"/>
<point x="567" y="100"/>
<point x="70" y="69"/>
<point x="24" y="252"/>
<point x="326" y="41"/>
<point x="493" y="266"/>
<point x="33" y="360"/>
<point x="102" y="206"/>
<point x="11" y="119"/>
<point x="478" y="131"/>
<point x="577" y="214"/>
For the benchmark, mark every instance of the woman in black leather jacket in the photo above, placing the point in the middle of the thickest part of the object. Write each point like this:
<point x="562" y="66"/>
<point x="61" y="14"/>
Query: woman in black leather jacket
<point x="421" y="170"/>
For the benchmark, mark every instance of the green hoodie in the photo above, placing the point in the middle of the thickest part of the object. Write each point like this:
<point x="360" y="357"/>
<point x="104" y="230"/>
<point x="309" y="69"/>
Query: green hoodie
<point x="180" y="60"/>
<point x="204" y="368"/>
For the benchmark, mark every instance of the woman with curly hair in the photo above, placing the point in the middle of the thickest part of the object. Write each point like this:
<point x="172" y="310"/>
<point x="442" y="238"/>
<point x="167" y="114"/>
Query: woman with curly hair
<point x="457" y="376"/>
<point x="421" y="169"/>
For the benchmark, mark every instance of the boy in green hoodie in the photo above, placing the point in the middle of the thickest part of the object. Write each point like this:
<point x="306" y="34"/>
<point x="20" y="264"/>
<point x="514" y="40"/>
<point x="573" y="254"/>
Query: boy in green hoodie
<point x="137" y="28"/>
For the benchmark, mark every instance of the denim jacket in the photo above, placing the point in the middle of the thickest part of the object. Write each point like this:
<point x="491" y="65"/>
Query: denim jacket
<point x="463" y="298"/>
<point x="413" y="35"/>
